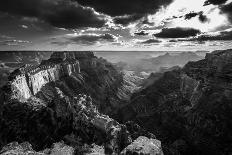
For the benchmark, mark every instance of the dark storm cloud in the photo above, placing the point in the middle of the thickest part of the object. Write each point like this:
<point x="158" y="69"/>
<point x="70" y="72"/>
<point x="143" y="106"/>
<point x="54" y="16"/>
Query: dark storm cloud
<point x="177" y="32"/>
<point x="227" y="9"/>
<point x="203" y="18"/>
<point x="224" y="35"/>
<point x="132" y="8"/>
<point x="141" y="33"/>
<point x="215" y="2"/>
<point x="151" y="41"/>
<point x="191" y="15"/>
<point x="59" y="13"/>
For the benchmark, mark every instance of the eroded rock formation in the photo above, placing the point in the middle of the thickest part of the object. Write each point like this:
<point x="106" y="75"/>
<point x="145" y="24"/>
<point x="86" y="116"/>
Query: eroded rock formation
<point x="26" y="149"/>
<point x="143" y="145"/>
<point x="46" y="104"/>
<point x="189" y="109"/>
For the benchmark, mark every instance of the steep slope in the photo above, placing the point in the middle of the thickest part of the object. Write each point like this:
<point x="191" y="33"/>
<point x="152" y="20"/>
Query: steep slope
<point x="46" y="103"/>
<point x="189" y="109"/>
<point x="92" y="75"/>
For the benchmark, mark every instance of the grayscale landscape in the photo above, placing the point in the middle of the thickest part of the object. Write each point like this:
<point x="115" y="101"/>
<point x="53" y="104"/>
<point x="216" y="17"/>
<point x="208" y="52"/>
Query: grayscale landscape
<point x="107" y="77"/>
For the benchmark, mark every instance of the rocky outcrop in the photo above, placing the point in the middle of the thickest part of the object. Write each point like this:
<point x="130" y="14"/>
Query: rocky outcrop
<point x="26" y="149"/>
<point x="28" y="80"/>
<point x="63" y="117"/>
<point x="93" y="75"/>
<point x="16" y="148"/>
<point x="143" y="145"/>
<point x="189" y="109"/>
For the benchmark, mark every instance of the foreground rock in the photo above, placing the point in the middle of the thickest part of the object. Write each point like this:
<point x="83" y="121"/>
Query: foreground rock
<point x="143" y="146"/>
<point x="25" y="148"/>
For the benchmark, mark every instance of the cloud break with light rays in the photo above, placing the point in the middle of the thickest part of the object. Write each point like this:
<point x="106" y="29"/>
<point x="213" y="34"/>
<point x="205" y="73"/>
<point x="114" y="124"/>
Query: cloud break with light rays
<point x="115" y="25"/>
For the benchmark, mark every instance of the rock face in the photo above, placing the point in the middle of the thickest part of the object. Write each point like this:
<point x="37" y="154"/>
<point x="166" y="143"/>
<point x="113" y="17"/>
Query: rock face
<point x="29" y="80"/>
<point x="46" y="103"/>
<point x="189" y="109"/>
<point x="143" y="146"/>
<point x="26" y="149"/>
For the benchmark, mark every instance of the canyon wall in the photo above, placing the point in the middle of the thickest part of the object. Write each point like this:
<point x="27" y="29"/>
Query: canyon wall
<point x="189" y="109"/>
<point x="28" y="80"/>
<point x="50" y="105"/>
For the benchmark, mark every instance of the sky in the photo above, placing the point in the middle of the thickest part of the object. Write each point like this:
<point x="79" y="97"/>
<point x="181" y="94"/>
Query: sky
<point x="116" y="25"/>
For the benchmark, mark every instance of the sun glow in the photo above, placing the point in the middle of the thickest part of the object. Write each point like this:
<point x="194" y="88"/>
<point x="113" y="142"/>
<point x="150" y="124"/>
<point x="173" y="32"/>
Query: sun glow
<point x="179" y="8"/>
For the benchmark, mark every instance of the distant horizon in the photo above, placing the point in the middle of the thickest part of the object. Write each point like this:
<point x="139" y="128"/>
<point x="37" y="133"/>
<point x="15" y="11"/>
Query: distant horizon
<point x="110" y="50"/>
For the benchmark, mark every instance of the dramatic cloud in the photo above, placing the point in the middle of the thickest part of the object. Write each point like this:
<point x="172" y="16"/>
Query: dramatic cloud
<point x="227" y="9"/>
<point x="203" y="18"/>
<point x="191" y="15"/>
<point x="151" y="41"/>
<point x="224" y="35"/>
<point x="177" y="32"/>
<point x="215" y="2"/>
<point x="141" y="33"/>
<point x="131" y="8"/>
<point x="114" y="24"/>
<point x="59" y="13"/>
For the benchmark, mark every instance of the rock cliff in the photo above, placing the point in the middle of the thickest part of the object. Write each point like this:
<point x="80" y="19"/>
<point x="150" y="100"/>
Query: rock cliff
<point x="28" y="80"/>
<point x="189" y="109"/>
<point x="44" y="104"/>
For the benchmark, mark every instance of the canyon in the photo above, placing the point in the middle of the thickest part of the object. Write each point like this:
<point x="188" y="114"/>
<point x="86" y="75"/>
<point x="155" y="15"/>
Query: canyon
<point x="62" y="104"/>
<point x="77" y="103"/>
<point x="188" y="109"/>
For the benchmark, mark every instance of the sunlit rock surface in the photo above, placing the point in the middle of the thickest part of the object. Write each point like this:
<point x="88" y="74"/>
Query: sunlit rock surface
<point x="28" y="80"/>
<point x="143" y="146"/>
<point x="25" y="148"/>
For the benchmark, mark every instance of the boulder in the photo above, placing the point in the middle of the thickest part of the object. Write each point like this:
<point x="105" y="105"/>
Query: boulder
<point x="143" y="146"/>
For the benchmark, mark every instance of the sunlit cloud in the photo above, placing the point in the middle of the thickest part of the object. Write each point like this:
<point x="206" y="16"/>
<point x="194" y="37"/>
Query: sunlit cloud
<point x="181" y="7"/>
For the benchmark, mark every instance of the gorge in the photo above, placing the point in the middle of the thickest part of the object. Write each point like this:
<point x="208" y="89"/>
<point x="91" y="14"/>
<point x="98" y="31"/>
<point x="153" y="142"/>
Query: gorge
<point x="57" y="101"/>
<point x="77" y="103"/>
<point x="188" y="109"/>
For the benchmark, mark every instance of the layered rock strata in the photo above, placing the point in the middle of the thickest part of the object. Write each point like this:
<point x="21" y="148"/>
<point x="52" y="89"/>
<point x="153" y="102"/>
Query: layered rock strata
<point x="28" y="80"/>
